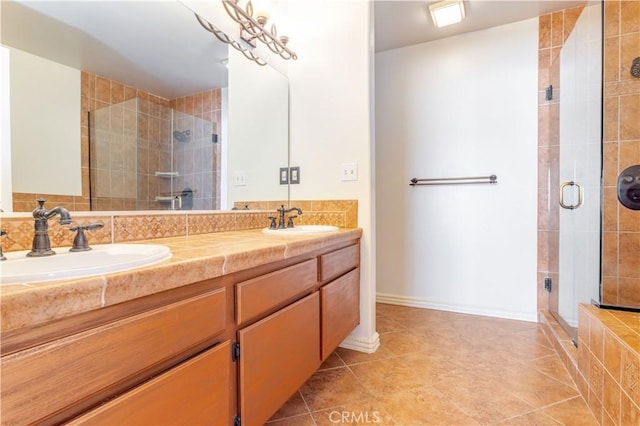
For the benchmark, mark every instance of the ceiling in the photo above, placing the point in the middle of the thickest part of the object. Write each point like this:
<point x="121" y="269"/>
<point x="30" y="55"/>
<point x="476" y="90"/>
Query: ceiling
<point x="156" y="46"/>
<point x="400" y="23"/>
<point x="159" y="47"/>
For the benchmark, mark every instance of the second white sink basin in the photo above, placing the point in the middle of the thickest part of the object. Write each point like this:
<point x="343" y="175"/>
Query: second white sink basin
<point x="106" y="258"/>
<point x="302" y="230"/>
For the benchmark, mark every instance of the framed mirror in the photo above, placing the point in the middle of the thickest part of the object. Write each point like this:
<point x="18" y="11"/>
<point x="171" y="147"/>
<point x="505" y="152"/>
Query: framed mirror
<point x="134" y="106"/>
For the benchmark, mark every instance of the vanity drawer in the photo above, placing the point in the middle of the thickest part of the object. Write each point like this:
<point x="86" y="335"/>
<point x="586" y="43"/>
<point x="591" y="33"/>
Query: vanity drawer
<point x="84" y="366"/>
<point x="336" y="263"/>
<point x="195" y="392"/>
<point x="266" y="293"/>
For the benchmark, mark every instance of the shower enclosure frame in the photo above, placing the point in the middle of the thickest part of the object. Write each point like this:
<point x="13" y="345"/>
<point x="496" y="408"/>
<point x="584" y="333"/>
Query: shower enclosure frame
<point x="601" y="291"/>
<point x="152" y="158"/>
<point x="576" y="182"/>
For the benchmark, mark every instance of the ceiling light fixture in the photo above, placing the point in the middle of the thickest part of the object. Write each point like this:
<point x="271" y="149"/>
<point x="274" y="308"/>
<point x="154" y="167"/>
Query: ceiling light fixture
<point x="226" y="39"/>
<point x="447" y="12"/>
<point x="252" y="29"/>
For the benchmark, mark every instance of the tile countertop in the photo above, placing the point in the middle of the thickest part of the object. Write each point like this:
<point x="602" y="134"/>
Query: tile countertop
<point x="195" y="258"/>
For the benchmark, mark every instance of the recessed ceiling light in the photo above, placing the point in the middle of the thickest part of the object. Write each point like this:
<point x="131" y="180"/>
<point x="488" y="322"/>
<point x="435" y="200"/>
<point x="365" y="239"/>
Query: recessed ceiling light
<point x="447" y="12"/>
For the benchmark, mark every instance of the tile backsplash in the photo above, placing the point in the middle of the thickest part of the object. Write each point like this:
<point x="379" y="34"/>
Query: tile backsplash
<point x="340" y="213"/>
<point x="135" y="226"/>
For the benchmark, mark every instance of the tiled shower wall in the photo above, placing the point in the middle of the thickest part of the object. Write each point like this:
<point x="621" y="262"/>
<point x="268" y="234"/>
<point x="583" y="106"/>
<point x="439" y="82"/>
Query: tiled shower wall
<point x="195" y="160"/>
<point x="621" y="149"/>
<point x="153" y="128"/>
<point x="607" y="362"/>
<point x="621" y="226"/>
<point x="96" y="92"/>
<point x="113" y="136"/>
<point x="199" y="160"/>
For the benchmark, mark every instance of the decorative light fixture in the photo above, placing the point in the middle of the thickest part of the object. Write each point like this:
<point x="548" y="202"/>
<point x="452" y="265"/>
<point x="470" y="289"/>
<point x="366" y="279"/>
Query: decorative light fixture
<point x="447" y="12"/>
<point x="220" y="35"/>
<point x="252" y="29"/>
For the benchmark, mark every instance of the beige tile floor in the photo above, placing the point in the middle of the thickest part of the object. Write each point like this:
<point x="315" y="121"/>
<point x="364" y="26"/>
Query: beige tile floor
<point x="441" y="368"/>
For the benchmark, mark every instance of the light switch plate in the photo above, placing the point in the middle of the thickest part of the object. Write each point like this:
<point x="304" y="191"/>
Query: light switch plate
<point x="284" y="175"/>
<point x="349" y="171"/>
<point x="241" y="179"/>
<point x="294" y="175"/>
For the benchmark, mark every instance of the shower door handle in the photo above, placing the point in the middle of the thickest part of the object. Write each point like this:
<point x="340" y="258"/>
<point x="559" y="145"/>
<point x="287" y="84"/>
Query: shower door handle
<point x="563" y="185"/>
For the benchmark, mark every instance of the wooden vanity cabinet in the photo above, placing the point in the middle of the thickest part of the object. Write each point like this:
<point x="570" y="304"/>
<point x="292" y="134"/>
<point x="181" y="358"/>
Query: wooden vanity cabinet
<point x="195" y="392"/>
<point x="340" y="312"/>
<point x="282" y="350"/>
<point x="339" y="275"/>
<point x="234" y="348"/>
<point x="277" y="355"/>
<point x="59" y="379"/>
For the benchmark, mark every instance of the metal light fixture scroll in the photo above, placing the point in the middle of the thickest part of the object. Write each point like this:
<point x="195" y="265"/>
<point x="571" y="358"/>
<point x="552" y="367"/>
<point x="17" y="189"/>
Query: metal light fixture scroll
<point x="225" y="39"/>
<point x="252" y="29"/>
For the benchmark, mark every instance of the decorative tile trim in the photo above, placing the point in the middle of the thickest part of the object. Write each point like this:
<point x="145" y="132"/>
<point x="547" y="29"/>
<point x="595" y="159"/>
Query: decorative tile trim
<point x="128" y="226"/>
<point x="341" y="213"/>
<point x="131" y="228"/>
<point x="207" y="223"/>
<point x="144" y="225"/>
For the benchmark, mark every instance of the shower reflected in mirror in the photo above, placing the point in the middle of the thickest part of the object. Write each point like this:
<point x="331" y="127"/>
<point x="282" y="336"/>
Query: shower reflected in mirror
<point x="148" y="156"/>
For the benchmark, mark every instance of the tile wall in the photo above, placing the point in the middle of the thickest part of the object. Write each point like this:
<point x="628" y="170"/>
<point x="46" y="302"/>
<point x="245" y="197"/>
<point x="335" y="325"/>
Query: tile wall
<point x="606" y="363"/>
<point x="95" y="93"/>
<point x="199" y="161"/>
<point x="152" y="126"/>
<point x="113" y="139"/>
<point x="340" y="213"/>
<point x="609" y="350"/>
<point x="132" y="226"/>
<point x="621" y="226"/>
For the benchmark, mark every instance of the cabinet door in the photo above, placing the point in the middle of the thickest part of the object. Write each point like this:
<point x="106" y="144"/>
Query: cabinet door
<point x="340" y="300"/>
<point x="195" y="392"/>
<point x="277" y="355"/>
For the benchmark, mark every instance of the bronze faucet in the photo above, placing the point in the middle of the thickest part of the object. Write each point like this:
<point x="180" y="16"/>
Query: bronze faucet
<point x="2" y="233"/>
<point x="41" y="244"/>
<point x="282" y="211"/>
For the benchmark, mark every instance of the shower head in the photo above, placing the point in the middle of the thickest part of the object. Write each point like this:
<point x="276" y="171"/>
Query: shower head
<point x="181" y="136"/>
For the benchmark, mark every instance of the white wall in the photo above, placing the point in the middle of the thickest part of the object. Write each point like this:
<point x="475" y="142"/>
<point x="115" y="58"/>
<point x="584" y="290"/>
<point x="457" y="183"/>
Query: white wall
<point x="461" y="106"/>
<point x="257" y="126"/>
<point x="330" y="118"/>
<point x="45" y="135"/>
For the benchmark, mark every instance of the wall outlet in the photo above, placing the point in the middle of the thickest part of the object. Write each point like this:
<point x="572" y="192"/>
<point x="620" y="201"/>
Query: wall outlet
<point x="294" y="175"/>
<point x="349" y="171"/>
<point x="241" y="179"/>
<point x="284" y="175"/>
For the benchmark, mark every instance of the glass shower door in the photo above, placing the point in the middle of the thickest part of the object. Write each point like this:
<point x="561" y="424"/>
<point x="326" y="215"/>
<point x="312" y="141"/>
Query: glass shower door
<point x="580" y="165"/>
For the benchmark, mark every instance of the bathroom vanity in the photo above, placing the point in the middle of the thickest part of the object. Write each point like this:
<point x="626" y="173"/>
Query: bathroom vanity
<point x="229" y="347"/>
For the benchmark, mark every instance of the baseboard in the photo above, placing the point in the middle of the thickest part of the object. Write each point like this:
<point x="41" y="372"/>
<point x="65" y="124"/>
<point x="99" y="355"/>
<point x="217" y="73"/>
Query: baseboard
<point x="362" y="344"/>
<point x="417" y="302"/>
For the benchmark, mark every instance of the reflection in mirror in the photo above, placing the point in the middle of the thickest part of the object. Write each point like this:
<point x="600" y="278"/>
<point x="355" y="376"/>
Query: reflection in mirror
<point x="147" y="124"/>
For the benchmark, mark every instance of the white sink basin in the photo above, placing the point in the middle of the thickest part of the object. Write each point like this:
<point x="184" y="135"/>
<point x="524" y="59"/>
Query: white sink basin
<point x="106" y="258"/>
<point x="302" y="230"/>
